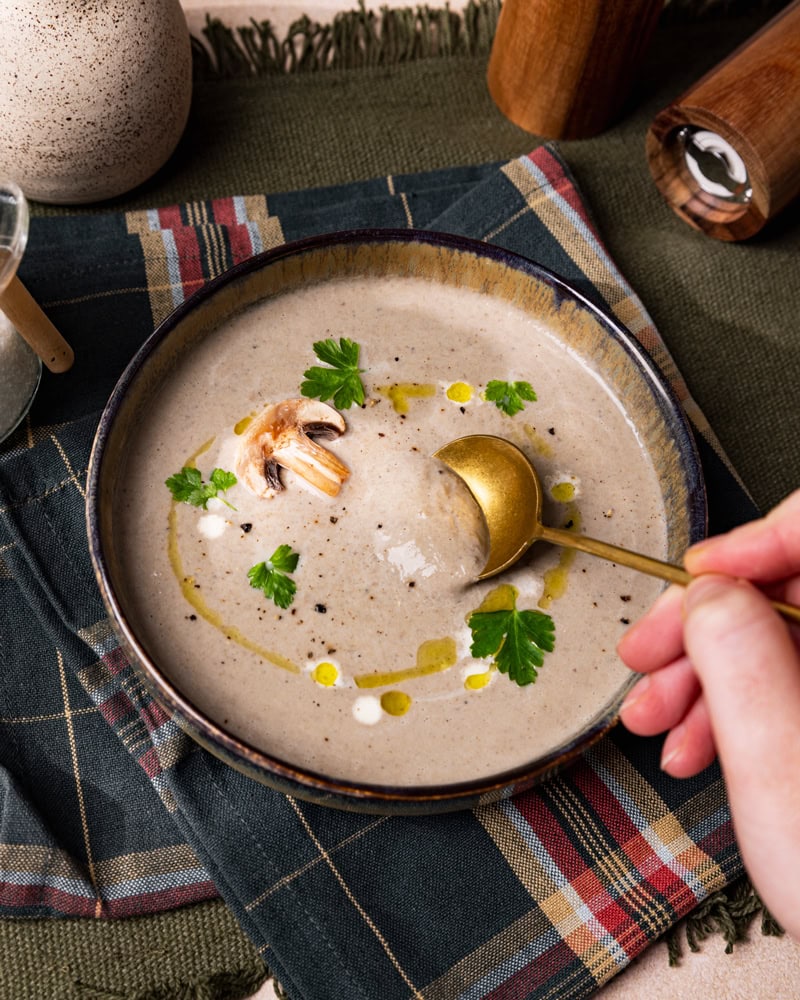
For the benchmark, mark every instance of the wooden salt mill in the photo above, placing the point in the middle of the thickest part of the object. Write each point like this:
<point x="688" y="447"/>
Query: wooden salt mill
<point x="562" y="69"/>
<point x="726" y="155"/>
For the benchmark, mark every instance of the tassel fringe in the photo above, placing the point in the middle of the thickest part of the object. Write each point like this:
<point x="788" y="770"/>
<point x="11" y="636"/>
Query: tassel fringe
<point x="728" y="913"/>
<point x="353" y="40"/>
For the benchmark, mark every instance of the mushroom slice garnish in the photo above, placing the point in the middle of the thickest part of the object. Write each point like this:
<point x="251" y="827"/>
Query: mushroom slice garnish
<point x="282" y="436"/>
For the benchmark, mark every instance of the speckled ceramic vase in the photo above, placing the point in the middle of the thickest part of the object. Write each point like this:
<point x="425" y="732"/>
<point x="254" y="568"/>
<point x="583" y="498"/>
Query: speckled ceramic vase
<point x="94" y="94"/>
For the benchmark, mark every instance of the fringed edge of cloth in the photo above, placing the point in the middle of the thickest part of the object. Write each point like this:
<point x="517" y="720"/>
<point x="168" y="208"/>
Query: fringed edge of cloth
<point x="378" y="37"/>
<point x="353" y="40"/>
<point x="727" y="913"/>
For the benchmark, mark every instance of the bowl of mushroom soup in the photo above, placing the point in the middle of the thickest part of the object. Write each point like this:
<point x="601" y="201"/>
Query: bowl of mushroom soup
<point x="294" y="574"/>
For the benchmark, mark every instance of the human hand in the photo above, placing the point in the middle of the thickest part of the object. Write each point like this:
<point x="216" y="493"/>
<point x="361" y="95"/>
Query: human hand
<point x="722" y="676"/>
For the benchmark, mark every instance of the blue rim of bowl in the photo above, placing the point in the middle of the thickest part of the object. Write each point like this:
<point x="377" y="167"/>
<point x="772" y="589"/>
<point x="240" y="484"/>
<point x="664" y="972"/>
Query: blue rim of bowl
<point x="279" y="774"/>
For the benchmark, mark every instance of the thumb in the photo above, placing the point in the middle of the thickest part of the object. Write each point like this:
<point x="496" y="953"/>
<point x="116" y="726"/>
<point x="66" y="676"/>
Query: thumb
<point x="748" y="666"/>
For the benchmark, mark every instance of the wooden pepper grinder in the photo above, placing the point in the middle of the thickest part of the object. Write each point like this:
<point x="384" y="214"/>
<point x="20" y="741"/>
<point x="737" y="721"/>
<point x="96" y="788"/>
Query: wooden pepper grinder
<point x="562" y="69"/>
<point x="726" y="155"/>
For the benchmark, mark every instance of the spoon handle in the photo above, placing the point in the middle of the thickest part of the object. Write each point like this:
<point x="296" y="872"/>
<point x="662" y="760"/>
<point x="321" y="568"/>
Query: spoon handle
<point x="634" y="560"/>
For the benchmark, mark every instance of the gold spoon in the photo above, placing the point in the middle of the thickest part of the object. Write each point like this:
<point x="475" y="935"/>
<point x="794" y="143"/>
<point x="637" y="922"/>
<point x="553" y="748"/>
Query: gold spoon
<point x="507" y="490"/>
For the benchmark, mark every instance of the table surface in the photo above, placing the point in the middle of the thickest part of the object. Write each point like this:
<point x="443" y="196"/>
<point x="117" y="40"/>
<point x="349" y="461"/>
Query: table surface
<point x="758" y="967"/>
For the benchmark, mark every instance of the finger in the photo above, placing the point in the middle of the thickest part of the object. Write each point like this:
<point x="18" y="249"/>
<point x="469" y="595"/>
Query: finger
<point x="656" y="639"/>
<point x="747" y="665"/>
<point x="763" y="550"/>
<point x="788" y="590"/>
<point x="750" y="673"/>
<point x="689" y="747"/>
<point x="662" y="699"/>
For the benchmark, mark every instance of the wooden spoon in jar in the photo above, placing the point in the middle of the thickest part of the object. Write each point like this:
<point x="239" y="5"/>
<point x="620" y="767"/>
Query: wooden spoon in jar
<point x="31" y="323"/>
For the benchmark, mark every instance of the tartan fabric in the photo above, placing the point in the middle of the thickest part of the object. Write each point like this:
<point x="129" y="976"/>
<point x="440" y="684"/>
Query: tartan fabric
<point x="109" y="810"/>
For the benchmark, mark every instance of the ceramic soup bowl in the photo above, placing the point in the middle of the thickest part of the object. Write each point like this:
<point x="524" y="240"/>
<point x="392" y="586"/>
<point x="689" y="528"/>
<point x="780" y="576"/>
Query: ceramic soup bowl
<point x="295" y="577"/>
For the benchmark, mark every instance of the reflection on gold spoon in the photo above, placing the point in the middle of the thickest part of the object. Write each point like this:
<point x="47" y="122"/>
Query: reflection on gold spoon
<point x="507" y="489"/>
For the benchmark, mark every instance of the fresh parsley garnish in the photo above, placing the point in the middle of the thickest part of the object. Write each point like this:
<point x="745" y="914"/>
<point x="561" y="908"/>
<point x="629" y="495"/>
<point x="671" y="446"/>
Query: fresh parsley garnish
<point x="271" y="576"/>
<point x="510" y="397"/>
<point x="342" y="380"/>
<point x="187" y="486"/>
<point x="516" y="639"/>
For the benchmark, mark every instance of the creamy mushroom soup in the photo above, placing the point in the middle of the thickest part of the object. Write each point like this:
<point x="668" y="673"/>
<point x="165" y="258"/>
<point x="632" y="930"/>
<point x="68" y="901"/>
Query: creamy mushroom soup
<point x="367" y="674"/>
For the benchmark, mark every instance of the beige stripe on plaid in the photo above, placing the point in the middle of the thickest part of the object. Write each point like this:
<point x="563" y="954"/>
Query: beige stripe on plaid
<point x="622" y="301"/>
<point x="108" y="872"/>
<point x="495" y="952"/>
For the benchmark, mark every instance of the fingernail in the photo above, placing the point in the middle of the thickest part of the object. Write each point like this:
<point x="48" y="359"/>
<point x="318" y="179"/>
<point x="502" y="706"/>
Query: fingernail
<point x="636" y="693"/>
<point x="676" y="745"/>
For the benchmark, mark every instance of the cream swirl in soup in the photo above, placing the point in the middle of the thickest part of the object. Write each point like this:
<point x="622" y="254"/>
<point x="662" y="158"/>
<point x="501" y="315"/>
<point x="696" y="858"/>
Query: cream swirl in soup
<point x="367" y="675"/>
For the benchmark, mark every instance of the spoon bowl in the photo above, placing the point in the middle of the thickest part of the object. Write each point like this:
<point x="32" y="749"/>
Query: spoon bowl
<point x="507" y="489"/>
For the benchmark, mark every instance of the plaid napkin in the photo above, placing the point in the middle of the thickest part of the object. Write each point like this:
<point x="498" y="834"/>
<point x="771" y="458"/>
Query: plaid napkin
<point x="109" y="810"/>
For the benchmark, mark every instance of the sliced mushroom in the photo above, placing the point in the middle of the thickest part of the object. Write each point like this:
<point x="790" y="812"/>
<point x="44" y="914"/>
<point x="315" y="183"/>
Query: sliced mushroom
<point x="283" y="436"/>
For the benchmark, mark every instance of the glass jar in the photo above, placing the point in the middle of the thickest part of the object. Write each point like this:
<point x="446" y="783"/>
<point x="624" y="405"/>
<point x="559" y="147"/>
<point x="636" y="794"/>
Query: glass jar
<point x="20" y="366"/>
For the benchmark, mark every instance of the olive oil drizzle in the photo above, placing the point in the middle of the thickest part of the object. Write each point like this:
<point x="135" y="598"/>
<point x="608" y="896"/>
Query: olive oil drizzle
<point x="191" y="589"/>
<point x="433" y="657"/>
<point x="556" y="580"/>
<point x="400" y="393"/>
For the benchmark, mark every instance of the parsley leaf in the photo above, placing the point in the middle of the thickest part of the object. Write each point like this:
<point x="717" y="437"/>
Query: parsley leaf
<point x="187" y="486"/>
<point x="509" y="396"/>
<point x="516" y="639"/>
<point x="271" y="576"/>
<point x="342" y="381"/>
<point x="222" y="480"/>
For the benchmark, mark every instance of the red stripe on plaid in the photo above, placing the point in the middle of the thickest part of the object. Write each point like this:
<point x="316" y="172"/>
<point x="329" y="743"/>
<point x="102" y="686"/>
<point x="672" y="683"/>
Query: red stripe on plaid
<point x="537" y="973"/>
<point x="190" y="261"/>
<point x="187" y="247"/>
<point x="115" y="708"/>
<point x="223" y="211"/>
<point x="137" y="904"/>
<point x="150" y="762"/>
<point x="605" y="803"/>
<point x="115" y="661"/>
<point x="241" y="243"/>
<point x="167" y="899"/>
<point x="21" y="896"/>
<point x="562" y="185"/>
<point x="170" y="217"/>
<point x="541" y="820"/>
<point x="719" y="841"/>
<point x="657" y="875"/>
<point x="239" y="238"/>
<point x="153" y="715"/>
<point x="673" y="888"/>
<point x="616" y="919"/>
<point x="610" y="913"/>
<point x="600" y="901"/>
<point x="658" y="878"/>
